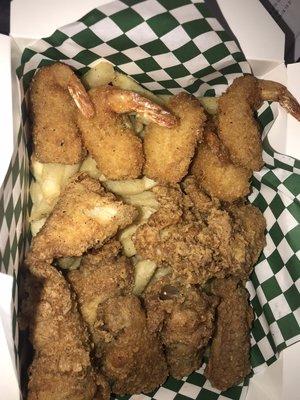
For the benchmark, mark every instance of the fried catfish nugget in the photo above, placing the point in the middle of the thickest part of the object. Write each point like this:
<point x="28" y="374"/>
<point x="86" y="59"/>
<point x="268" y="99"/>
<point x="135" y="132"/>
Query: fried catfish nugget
<point x="168" y="152"/>
<point x="61" y="368"/>
<point x="54" y="93"/>
<point x="83" y="217"/>
<point x="115" y="147"/>
<point x="229" y="359"/>
<point x="238" y="129"/>
<point x="183" y="316"/>
<point x="129" y="355"/>
<point x="216" y="173"/>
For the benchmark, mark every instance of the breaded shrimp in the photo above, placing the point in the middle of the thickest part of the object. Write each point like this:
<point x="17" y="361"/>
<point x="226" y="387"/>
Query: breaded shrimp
<point x="61" y="368"/>
<point x="83" y="217"/>
<point x="116" y="149"/>
<point x="238" y="129"/>
<point x="168" y="152"/>
<point x="229" y="359"/>
<point x="216" y="173"/>
<point x="54" y="93"/>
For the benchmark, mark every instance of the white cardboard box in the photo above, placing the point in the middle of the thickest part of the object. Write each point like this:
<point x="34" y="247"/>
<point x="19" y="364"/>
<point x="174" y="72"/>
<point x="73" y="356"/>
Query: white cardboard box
<point x="263" y="44"/>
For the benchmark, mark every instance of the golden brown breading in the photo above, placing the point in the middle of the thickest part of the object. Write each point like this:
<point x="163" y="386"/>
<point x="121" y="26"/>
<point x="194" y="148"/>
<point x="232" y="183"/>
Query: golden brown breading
<point x="229" y="359"/>
<point x="102" y="274"/>
<point x="184" y="318"/>
<point x="253" y="225"/>
<point x="128" y="354"/>
<point x="55" y="133"/>
<point x="133" y="360"/>
<point x="84" y="217"/>
<point x="238" y="129"/>
<point x="215" y="172"/>
<point x="116" y="149"/>
<point x="61" y="368"/>
<point x="200" y="244"/>
<point x="168" y="152"/>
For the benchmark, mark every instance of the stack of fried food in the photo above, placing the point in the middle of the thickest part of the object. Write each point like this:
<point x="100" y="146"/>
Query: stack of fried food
<point x="143" y="237"/>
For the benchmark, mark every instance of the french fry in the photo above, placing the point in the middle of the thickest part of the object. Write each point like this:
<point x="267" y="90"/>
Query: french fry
<point x="123" y="81"/>
<point x="69" y="263"/>
<point x="129" y="187"/>
<point x="36" y="226"/>
<point x="144" y="270"/>
<point x="100" y="74"/>
<point x="210" y="104"/>
<point x="146" y="198"/>
<point x="90" y="167"/>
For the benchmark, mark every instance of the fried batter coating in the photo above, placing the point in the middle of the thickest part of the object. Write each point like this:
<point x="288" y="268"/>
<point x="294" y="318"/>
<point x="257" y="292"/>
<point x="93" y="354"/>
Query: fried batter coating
<point x="168" y="152"/>
<point x="83" y="217"/>
<point x="184" y="318"/>
<point x="253" y="225"/>
<point x="238" y="129"/>
<point x="102" y="274"/>
<point x="129" y="356"/>
<point x="215" y="172"/>
<point x="53" y="93"/>
<point x="61" y="368"/>
<point x="229" y="359"/>
<point x="200" y="244"/>
<point x="116" y="149"/>
<point x="133" y="358"/>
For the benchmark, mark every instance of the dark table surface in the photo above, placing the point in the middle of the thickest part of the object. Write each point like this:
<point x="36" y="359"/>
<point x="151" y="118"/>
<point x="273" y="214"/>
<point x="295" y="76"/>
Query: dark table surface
<point x="4" y="16"/>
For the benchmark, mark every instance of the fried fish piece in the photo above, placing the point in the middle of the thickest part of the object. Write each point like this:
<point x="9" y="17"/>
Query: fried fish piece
<point x="197" y="243"/>
<point x="83" y="217"/>
<point x="61" y="368"/>
<point x="168" y="152"/>
<point x="54" y="93"/>
<point x="229" y="359"/>
<point x="216" y="173"/>
<point x="183" y="316"/>
<point x="129" y="356"/>
<point x="115" y="147"/>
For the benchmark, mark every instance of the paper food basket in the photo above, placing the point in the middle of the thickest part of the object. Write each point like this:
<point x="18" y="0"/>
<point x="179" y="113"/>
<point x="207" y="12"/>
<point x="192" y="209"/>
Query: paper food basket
<point x="167" y="47"/>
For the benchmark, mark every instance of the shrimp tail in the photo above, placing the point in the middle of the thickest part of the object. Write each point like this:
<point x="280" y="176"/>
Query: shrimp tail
<point x="274" y="91"/>
<point x="81" y="98"/>
<point x="123" y="101"/>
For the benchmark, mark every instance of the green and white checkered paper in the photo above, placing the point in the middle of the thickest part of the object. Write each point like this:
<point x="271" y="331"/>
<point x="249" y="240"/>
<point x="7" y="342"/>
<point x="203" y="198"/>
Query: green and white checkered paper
<point x="170" y="46"/>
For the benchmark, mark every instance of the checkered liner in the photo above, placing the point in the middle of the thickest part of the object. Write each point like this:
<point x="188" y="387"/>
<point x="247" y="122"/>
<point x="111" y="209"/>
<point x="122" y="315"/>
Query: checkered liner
<point x="170" y="46"/>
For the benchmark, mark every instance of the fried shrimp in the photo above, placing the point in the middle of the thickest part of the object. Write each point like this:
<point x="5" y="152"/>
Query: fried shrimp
<point x="54" y="93"/>
<point x="168" y="152"/>
<point x="238" y="129"/>
<point x="216" y="173"/>
<point x="116" y="149"/>
<point x="84" y="217"/>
